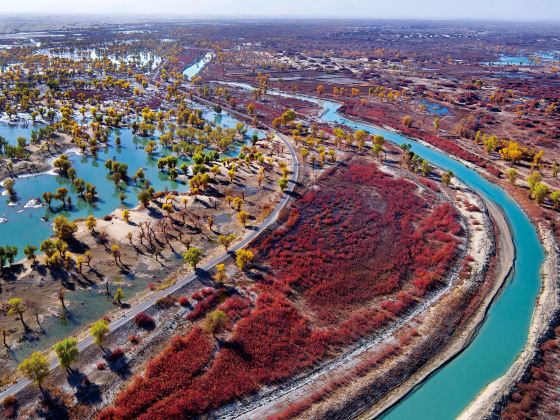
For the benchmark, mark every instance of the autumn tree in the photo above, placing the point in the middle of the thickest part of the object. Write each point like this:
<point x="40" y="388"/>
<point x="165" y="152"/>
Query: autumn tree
<point x="98" y="330"/>
<point x="67" y="351"/>
<point x="243" y="258"/>
<point x="446" y="178"/>
<point x="63" y="228"/>
<point x="407" y="121"/>
<point x="193" y="256"/>
<point x="220" y="276"/>
<point x="91" y="223"/>
<point x="226" y="240"/>
<point x="243" y="216"/>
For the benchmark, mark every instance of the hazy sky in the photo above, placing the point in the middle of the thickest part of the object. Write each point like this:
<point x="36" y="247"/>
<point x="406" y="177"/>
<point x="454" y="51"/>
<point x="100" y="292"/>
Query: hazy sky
<point x="454" y="9"/>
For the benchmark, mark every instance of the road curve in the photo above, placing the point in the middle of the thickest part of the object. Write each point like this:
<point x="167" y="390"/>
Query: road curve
<point x="153" y="298"/>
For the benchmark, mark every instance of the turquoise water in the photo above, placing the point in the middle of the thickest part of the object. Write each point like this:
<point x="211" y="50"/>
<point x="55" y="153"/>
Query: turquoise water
<point x="192" y="70"/>
<point x="522" y="60"/>
<point x="33" y="225"/>
<point x="24" y="225"/>
<point x="502" y="336"/>
<point x="12" y="132"/>
<point x="435" y="108"/>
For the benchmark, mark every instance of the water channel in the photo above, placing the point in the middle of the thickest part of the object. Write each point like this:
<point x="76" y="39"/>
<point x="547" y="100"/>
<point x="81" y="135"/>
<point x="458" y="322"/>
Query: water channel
<point x="447" y="392"/>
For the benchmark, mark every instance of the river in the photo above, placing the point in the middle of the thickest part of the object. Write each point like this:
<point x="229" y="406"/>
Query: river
<point x="447" y="392"/>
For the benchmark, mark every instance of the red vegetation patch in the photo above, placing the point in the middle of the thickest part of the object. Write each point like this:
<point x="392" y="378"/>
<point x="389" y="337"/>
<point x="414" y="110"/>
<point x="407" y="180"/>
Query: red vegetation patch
<point x="207" y="301"/>
<point x="344" y="254"/>
<point x="364" y="242"/>
<point x="143" y="320"/>
<point x="115" y="355"/>
<point x="236" y="307"/>
<point x="170" y="372"/>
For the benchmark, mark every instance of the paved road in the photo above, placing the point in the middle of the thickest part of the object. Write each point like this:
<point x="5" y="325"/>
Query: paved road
<point x="153" y="298"/>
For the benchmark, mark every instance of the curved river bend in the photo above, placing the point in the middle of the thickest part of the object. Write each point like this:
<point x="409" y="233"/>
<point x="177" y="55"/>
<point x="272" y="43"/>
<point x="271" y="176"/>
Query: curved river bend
<point x="447" y="392"/>
<point x="444" y="394"/>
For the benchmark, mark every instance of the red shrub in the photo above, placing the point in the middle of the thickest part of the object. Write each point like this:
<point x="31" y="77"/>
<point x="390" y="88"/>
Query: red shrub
<point x="134" y="339"/>
<point x="143" y="320"/>
<point x="341" y="247"/>
<point x="171" y="371"/>
<point x="115" y="355"/>
<point x="208" y="302"/>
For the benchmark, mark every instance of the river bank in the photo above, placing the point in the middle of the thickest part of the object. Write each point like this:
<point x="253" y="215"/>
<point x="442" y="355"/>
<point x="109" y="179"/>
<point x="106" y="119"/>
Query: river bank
<point x="504" y="258"/>
<point x="39" y="161"/>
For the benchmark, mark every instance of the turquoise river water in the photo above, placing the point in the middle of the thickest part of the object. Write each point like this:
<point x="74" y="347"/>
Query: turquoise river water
<point x="447" y="392"/>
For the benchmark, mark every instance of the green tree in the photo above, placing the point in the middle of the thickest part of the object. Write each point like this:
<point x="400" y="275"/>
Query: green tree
<point x="193" y="256"/>
<point x="36" y="369"/>
<point x="67" y="351"/>
<point x="10" y="252"/>
<point x="215" y="321"/>
<point x="512" y="175"/>
<point x="61" y="194"/>
<point x="98" y="331"/>
<point x="48" y="197"/>
<point x="555" y="198"/>
<point x="145" y="197"/>
<point x="283" y="183"/>
<point x="119" y="296"/>
<point x="17" y="307"/>
<point x="540" y="191"/>
<point x="29" y="252"/>
<point x="533" y="179"/>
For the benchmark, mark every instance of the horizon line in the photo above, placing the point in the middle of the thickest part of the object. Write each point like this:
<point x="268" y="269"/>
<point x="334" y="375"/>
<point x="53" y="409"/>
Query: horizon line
<point x="174" y="17"/>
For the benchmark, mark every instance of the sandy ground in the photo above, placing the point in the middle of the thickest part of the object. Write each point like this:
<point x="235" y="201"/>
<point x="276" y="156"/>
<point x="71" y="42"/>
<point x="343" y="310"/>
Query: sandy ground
<point x="547" y="302"/>
<point x="38" y="162"/>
